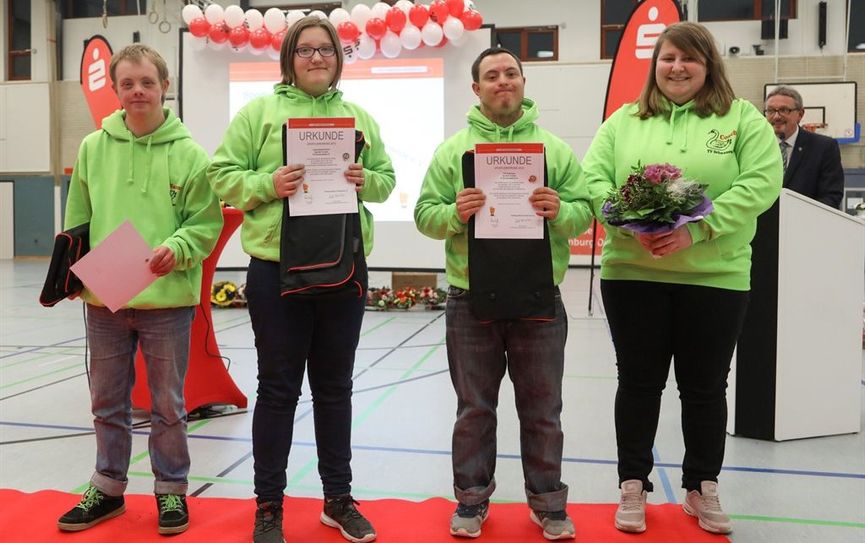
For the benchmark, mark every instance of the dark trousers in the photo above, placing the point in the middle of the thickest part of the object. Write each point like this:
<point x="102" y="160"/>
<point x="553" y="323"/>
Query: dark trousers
<point x="291" y="334"/>
<point x="695" y="326"/>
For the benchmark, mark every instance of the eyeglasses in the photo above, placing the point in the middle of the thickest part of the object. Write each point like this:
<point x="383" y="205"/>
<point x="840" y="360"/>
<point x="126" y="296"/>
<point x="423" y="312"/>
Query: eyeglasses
<point x="307" y="52"/>
<point x="784" y="111"/>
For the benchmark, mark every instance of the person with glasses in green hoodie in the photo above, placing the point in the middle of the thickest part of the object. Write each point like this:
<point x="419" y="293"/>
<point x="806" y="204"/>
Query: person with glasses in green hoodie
<point x="681" y="295"/>
<point x="294" y="334"/>
<point x="510" y="317"/>
<point x="142" y="166"/>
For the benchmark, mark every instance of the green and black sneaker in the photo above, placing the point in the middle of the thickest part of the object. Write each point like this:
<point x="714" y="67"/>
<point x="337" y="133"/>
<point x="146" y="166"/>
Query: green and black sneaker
<point x="94" y="507"/>
<point x="173" y="514"/>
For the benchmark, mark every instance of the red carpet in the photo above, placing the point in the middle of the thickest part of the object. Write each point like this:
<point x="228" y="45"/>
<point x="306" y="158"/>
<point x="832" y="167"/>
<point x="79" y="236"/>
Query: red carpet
<point x="32" y="518"/>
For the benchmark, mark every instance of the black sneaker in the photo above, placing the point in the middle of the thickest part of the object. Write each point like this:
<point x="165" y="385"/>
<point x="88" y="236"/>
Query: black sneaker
<point x="173" y="514"/>
<point x="94" y="507"/>
<point x="340" y="512"/>
<point x="268" y="523"/>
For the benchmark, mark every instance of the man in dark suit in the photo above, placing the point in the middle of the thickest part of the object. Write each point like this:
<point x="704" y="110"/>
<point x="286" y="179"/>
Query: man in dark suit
<point x="812" y="162"/>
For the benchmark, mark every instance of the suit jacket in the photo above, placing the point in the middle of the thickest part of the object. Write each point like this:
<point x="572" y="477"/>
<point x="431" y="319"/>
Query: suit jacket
<point x="815" y="168"/>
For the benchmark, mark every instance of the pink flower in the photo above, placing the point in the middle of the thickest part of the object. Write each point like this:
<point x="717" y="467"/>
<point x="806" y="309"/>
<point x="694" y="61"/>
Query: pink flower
<point x="657" y="173"/>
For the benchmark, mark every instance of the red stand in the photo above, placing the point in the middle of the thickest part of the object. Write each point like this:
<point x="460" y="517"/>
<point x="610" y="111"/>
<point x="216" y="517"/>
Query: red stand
<point x="207" y="380"/>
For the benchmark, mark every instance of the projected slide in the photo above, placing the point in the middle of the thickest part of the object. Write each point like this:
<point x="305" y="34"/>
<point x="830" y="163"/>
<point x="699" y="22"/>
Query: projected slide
<point x="406" y="98"/>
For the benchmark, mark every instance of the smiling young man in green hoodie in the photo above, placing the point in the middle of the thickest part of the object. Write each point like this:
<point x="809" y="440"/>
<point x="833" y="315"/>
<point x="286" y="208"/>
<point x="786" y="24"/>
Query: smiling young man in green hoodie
<point x="480" y="350"/>
<point x="142" y="166"/>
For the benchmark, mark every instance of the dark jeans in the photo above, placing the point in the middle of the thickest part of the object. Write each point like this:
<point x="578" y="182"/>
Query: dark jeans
<point x="532" y="352"/>
<point x="695" y="326"/>
<point x="293" y="333"/>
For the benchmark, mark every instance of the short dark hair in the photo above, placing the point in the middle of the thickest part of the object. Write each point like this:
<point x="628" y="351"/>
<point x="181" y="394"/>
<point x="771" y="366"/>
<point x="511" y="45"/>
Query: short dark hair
<point x="476" y="65"/>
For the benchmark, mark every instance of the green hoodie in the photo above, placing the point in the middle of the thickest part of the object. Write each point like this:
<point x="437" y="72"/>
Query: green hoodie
<point x="736" y="155"/>
<point x="436" y="212"/>
<point x="242" y="169"/>
<point x="158" y="183"/>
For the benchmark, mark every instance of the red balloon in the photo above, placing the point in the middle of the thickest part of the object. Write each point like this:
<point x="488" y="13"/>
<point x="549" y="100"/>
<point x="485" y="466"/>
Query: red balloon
<point x="348" y="32"/>
<point x="260" y="38"/>
<point x="443" y="42"/>
<point x="276" y="40"/>
<point x="376" y="28"/>
<point x="395" y="19"/>
<point x="218" y="33"/>
<point x="439" y="11"/>
<point x="199" y="27"/>
<point x="456" y="7"/>
<point x="239" y="36"/>
<point x="471" y="19"/>
<point x="418" y="15"/>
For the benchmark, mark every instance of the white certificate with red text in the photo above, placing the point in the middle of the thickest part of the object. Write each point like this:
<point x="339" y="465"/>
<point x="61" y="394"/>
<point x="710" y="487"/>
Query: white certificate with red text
<point x="325" y="147"/>
<point x="508" y="173"/>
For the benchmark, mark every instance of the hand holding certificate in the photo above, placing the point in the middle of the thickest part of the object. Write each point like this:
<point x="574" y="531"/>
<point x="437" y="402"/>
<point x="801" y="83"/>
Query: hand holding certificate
<point x="325" y="148"/>
<point x="508" y="174"/>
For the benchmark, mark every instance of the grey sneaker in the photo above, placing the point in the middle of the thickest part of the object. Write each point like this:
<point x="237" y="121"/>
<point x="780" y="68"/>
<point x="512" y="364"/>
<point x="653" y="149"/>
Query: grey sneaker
<point x="706" y="506"/>
<point x="631" y="514"/>
<point x="556" y="524"/>
<point x="94" y="507"/>
<point x="268" y="523"/>
<point x="341" y="513"/>
<point x="467" y="519"/>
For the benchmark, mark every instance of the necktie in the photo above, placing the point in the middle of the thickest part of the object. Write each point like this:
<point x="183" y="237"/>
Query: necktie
<point x="784" y="150"/>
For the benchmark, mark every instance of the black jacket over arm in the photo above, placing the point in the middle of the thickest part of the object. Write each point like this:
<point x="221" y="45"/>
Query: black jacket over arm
<point x="815" y="168"/>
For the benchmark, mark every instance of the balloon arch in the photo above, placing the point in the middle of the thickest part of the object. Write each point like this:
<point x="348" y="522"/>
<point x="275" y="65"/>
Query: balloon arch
<point x="363" y="31"/>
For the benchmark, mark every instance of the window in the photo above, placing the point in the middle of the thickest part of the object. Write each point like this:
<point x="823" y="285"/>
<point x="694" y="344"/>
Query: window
<point x="614" y="15"/>
<point x="530" y="43"/>
<point x="18" y="60"/>
<point x="857" y="26"/>
<point x="737" y="10"/>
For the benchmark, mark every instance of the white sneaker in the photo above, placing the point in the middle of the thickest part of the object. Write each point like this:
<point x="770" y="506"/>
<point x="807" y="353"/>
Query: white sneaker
<point x="631" y="514"/>
<point x="706" y="506"/>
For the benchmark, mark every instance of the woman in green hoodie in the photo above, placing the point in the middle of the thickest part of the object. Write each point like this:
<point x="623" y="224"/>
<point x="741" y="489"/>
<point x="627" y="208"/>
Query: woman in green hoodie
<point x="683" y="294"/>
<point x="294" y="334"/>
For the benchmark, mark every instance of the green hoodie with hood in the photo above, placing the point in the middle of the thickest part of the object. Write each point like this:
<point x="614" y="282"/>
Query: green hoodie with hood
<point x="735" y="154"/>
<point x="158" y="183"/>
<point x="242" y="169"/>
<point x="436" y="212"/>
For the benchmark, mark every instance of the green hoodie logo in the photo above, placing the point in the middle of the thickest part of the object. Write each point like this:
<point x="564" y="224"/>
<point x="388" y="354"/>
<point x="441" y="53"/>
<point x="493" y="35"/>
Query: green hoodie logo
<point x="720" y="144"/>
<point x="173" y="191"/>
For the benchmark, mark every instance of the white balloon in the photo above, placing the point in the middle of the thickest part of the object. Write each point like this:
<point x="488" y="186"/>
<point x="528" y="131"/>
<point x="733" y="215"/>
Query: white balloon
<point x="233" y="16"/>
<point x="360" y="14"/>
<point x="191" y="12"/>
<point x="274" y="20"/>
<point x="431" y="34"/>
<point x="254" y="19"/>
<point x="365" y="47"/>
<point x="339" y="16"/>
<point x="214" y="14"/>
<point x="198" y="44"/>
<point x="390" y="44"/>
<point x="293" y="16"/>
<point x="453" y="28"/>
<point x="258" y="52"/>
<point x="410" y="37"/>
<point x="217" y="46"/>
<point x="404" y="5"/>
<point x="380" y="9"/>
<point x="318" y="13"/>
<point x="273" y="53"/>
<point x="461" y="40"/>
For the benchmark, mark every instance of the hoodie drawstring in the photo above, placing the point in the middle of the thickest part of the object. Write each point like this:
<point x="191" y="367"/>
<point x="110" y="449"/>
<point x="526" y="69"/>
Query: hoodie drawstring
<point x="683" y="114"/>
<point x="149" y="168"/>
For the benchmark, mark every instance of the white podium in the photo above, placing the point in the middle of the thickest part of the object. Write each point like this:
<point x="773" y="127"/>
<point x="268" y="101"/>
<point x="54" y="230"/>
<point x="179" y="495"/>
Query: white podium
<point x="798" y="363"/>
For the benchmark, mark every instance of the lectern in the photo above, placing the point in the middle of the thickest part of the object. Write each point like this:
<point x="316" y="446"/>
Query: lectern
<point x="798" y="363"/>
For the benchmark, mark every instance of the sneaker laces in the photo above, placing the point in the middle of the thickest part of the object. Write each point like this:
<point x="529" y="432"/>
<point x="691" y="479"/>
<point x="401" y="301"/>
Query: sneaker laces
<point x="265" y="519"/>
<point x="711" y="503"/>
<point x="345" y="506"/>
<point x="170" y="502"/>
<point x="631" y="502"/>
<point x="92" y="497"/>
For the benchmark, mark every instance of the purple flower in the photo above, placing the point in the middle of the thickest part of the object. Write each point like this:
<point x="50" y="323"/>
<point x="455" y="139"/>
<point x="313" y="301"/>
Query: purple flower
<point x="657" y="173"/>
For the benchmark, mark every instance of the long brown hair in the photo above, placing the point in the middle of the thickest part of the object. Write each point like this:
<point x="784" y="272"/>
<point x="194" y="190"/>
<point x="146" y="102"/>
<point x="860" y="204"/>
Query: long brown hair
<point x="694" y="39"/>
<point x="289" y="44"/>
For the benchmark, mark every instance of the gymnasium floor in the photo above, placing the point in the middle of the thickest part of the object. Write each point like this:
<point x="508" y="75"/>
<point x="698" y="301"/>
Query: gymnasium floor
<point x="805" y="490"/>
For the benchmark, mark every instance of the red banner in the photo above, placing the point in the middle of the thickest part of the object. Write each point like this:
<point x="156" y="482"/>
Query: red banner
<point x="96" y="81"/>
<point x="628" y="74"/>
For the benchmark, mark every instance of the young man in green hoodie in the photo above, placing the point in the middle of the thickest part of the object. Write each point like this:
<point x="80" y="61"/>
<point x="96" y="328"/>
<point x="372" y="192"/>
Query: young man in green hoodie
<point x="481" y="350"/>
<point x="142" y="166"/>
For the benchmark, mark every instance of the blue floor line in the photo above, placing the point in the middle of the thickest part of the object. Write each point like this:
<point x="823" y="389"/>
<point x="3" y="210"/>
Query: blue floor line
<point x="443" y="452"/>
<point x="662" y="474"/>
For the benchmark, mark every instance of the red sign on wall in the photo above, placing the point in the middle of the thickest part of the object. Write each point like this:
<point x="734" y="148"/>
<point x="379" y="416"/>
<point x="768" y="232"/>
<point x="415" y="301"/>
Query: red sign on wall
<point x="96" y="81"/>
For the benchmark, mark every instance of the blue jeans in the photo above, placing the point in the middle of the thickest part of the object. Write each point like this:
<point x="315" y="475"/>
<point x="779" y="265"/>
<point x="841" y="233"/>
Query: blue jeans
<point x="294" y="334"/>
<point x="533" y="353"/>
<point x="163" y="335"/>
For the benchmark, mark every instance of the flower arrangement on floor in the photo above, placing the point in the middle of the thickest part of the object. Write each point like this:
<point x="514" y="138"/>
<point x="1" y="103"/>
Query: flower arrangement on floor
<point x="226" y="294"/>
<point x="656" y="199"/>
<point x="384" y="299"/>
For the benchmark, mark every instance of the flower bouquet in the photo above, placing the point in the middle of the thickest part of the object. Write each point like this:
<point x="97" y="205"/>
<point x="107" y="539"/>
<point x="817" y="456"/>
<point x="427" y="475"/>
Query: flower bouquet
<point x="433" y="298"/>
<point x="656" y="199"/>
<point x="378" y="299"/>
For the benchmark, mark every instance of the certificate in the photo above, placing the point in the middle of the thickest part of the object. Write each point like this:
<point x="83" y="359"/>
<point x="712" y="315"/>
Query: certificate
<point x="508" y="173"/>
<point x="325" y="147"/>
